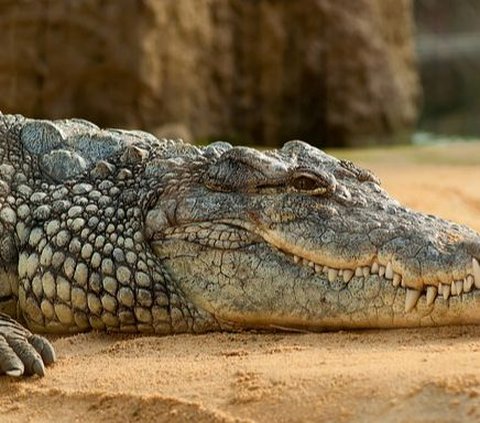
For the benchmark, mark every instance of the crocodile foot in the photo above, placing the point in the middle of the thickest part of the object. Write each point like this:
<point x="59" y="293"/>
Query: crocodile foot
<point x="21" y="352"/>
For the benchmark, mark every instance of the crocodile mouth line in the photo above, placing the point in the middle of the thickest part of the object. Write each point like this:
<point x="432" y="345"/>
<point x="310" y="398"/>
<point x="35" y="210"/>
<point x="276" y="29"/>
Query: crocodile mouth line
<point x="230" y="235"/>
<point x="456" y="288"/>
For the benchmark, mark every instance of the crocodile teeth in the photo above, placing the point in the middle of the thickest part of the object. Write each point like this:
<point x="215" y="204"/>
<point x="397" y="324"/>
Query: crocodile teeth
<point x="431" y="294"/>
<point x="468" y="283"/>
<point x="476" y="272"/>
<point x="347" y="275"/>
<point x="446" y="292"/>
<point x="411" y="299"/>
<point x="389" y="271"/>
<point x="332" y="275"/>
<point x="381" y="271"/>
<point x="396" y="279"/>
<point x="455" y="288"/>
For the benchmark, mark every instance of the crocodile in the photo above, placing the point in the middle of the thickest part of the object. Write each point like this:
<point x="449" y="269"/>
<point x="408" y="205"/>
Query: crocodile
<point x="116" y="230"/>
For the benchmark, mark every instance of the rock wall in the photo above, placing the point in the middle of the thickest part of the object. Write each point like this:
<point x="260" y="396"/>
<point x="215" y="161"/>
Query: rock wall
<point x="334" y="72"/>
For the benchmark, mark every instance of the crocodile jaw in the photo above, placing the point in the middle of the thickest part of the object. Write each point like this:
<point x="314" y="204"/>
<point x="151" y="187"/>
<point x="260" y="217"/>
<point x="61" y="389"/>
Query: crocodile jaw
<point x="262" y="280"/>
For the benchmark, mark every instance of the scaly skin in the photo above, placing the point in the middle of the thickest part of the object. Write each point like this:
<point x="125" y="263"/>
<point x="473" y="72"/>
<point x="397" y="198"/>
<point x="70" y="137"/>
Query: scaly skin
<point x="116" y="230"/>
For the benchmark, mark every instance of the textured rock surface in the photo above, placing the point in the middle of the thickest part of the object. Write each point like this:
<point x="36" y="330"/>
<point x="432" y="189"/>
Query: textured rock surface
<point x="264" y="71"/>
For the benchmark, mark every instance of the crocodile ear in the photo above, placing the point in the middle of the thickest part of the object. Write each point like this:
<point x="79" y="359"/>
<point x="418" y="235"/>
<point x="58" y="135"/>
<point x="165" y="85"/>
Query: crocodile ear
<point x="242" y="168"/>
<point x="228" y="173"/>
<point x="41" y="136"/>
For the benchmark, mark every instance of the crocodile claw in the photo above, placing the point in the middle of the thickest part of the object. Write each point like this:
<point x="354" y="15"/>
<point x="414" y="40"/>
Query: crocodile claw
<point x="21" y="352"/>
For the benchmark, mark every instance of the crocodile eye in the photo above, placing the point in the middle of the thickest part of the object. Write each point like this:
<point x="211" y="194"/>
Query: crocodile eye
<point x="305" y="183"/>
<point x="312" y="182"/>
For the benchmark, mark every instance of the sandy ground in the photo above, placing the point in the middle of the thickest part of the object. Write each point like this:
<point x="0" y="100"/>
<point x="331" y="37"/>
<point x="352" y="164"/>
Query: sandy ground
<point x="424" y="375"/>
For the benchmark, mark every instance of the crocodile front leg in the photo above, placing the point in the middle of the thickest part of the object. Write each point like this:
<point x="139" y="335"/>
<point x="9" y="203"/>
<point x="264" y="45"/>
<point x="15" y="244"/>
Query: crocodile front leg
<point x="21" y="352"/>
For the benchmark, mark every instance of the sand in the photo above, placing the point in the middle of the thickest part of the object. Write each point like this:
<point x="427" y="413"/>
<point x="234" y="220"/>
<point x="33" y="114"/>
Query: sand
<point x="421" y="375"/>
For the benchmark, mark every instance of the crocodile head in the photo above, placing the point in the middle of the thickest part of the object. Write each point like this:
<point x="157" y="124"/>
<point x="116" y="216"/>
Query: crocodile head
<point x="295" y="238"/>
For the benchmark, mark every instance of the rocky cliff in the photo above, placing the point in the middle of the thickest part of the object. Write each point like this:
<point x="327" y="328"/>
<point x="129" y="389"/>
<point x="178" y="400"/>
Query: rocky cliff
<point x="334" y="72"/>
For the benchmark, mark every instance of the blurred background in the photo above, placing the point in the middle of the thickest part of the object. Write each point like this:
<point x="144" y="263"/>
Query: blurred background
<point x="447" y="40"/>
<point x="336" y="73"/>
